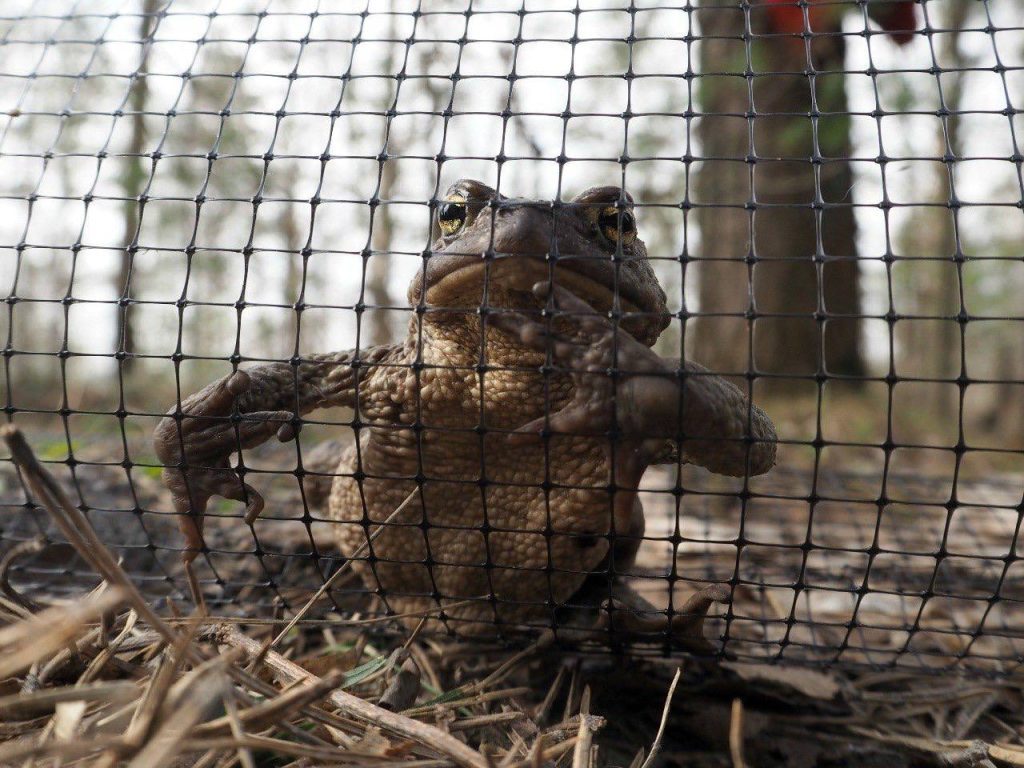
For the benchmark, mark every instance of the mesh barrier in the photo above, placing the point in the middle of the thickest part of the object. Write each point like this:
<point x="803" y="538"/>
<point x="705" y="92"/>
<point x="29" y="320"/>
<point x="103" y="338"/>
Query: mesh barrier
<point x="818" y="204"/>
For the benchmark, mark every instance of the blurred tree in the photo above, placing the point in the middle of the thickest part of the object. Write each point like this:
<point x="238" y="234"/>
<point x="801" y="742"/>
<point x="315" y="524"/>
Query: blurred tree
<point x="774" y="133"/>
<point x="40" y="162"/>
<point x="932" y="233"/>
<point x="213" y="122"/>
<point x="375" y="285"/>
<point x="134" y="181"/>
<point x="400" y="141"/>
<point x="295" y="237"/>
<point x="377" y="293"/>
<point x="660" y="194"/>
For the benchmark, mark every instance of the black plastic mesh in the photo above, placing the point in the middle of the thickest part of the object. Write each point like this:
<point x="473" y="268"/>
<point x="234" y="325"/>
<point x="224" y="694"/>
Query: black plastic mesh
<point x="192" y="187"/>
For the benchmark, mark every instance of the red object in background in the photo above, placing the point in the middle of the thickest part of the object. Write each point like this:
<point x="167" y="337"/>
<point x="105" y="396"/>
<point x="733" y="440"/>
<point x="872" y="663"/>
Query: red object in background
<point x="898" y="18"/>
<point x="787" y="16"/>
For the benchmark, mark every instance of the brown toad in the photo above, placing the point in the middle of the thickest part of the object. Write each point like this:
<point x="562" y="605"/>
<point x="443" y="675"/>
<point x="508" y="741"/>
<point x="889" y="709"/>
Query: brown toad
<point x="511" y="427"/>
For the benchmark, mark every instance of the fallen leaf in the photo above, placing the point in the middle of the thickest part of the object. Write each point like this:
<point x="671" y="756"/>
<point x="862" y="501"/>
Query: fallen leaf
<point x="374" y="742"/>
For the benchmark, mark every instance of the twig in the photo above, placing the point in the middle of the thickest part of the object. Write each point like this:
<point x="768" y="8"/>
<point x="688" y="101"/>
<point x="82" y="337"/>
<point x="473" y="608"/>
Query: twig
<point x="258" y="621"/>
<point x="541" y="756"/>
<point x="481" y="721"/>
<point x="540" y="714"/>
<point x="267" y="713"/>
<point x="466" y="701"/>
<point x="243" y="752"/>
<point x="36" y="638"/>
<point x="656" y="746"/>
<point x="535" y="755"/>
<point x="568" y="728"/>
<point x="158" y="690"/>
<point x="517" y="748"/>
<point x="469" y="693"/>
<point x="331" y="756"/>
<point x="584" y="736"/>
<point x="167" y="743"/>
<point x="736" y="734"/>
<point x="40" y="702"/>
<point x="570" y="698"/>
<point x="428" y="735"/>
<point x="14" y="751"/>
<point x="76" y="527"/>
<point x="105" y="656"/>
<point x="30" y="547"/>
<point x="915" y="744"/>
<point x="80" y="533"/>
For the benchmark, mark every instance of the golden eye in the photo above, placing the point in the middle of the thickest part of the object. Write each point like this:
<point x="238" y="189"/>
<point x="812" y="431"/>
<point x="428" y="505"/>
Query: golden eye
<point x="617" y="225"/>
<point x="451" y="215"/>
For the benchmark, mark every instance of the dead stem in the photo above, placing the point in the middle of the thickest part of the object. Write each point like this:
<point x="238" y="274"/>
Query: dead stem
<point x="736" y="734"/>
<point x="364" y="710"/>
<point x="664" y="720"/>
<point x="29" y="547"/>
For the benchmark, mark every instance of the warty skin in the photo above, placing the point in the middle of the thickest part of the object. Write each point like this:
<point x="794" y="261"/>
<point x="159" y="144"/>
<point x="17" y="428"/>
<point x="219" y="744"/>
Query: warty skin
<point x="491" y="430"/>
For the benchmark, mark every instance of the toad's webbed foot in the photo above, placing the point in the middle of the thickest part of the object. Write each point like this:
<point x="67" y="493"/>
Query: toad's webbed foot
<point x="194" y="443"/>
<point x="603" y="612"/>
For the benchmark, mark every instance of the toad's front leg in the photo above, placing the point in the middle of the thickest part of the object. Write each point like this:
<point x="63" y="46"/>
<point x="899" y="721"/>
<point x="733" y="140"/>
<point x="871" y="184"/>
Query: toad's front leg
<point x="626" y="391"/>
<point x="196" y="438"/>
<point x="638" y="400"/>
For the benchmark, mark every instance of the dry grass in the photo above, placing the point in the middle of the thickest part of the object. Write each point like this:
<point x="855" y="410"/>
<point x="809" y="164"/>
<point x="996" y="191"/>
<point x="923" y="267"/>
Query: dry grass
<point x="104" y="680"/>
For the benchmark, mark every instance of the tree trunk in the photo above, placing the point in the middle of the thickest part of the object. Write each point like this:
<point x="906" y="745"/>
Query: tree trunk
<point x="295" y="240"/>
<point x="133" y="182"/>
<point x="377" y="329"/>
<point x="933" y="235"/>
<point x="790" y="261"/>
<point x="376" y="292"/>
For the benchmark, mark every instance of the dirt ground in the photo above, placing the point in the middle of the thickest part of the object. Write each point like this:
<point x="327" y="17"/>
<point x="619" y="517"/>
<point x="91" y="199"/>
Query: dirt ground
<point x="858" y="633"/>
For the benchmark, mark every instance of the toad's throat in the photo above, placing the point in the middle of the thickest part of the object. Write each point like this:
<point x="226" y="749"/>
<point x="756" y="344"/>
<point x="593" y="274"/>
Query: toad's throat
<point x="514" y="274"/>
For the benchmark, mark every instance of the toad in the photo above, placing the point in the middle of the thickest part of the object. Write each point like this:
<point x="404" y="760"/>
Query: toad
<point x="500" y="445"/>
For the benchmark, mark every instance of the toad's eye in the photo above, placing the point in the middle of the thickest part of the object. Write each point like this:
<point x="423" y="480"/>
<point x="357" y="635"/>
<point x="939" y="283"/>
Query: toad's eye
<point x="617" y="226"/>
<point x="451" y="216"/>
